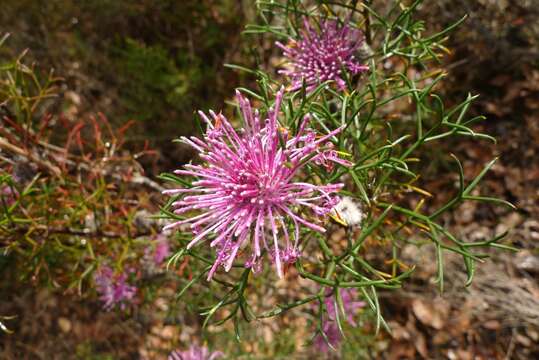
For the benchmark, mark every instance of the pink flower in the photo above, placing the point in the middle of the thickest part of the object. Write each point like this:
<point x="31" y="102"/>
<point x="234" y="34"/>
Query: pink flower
<point x="319" y="56"/>
<point x="246" y="190"/>
<point x="8" y="195"/>
<point x="195" y="353"/>
<point x="329" y="325"/>
<point x="161" y="250"/>
<point x="113" y="288"/>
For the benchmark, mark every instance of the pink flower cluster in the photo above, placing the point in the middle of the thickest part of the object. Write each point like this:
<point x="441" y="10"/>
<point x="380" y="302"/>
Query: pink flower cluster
<point x="195" y="353"/>
<point x="329" y="325"/>
<point x="245" y="195"/>
<point x="319" y="56"/>
<point x="113" y="288"/>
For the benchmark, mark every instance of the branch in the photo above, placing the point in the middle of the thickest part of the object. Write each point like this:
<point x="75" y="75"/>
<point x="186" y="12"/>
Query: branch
<point x="43" y="164"/>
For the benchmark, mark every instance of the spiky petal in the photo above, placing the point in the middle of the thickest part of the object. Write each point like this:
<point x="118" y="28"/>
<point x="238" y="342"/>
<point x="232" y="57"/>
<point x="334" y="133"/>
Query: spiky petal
<point x="319" y="56"/>
<point x="245" y="194"/>
<point x="195" y="353"/>
<point x="330" y="327"/>
<point x="113" y="288"/>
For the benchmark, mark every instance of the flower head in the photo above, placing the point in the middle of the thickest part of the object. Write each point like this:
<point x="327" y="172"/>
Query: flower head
<point x="159" y="250"/>
<point x="113" y="288"/>
<point x="319" y="56"/>
<point x="348" y="211"/>
<point x="8" y="195"/>
<point x="330" y="326"/>
<point x="195" y="353"/>
<point x="246" y="191"/>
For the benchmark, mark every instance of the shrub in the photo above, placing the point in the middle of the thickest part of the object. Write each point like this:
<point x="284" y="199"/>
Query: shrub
<point x="381" y="121"/>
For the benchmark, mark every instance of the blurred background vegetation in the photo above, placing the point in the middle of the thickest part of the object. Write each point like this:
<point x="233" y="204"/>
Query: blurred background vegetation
<point x="156" y="62"/>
